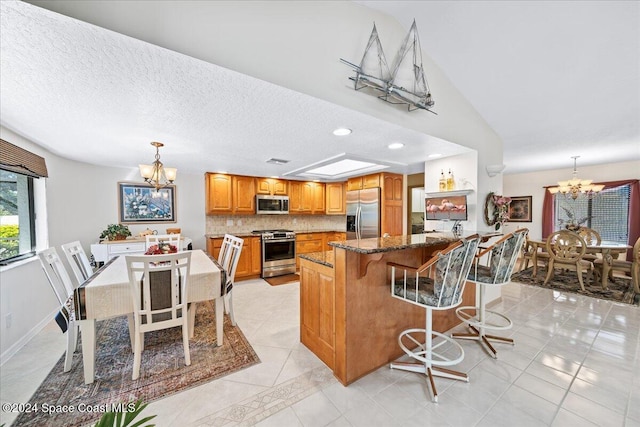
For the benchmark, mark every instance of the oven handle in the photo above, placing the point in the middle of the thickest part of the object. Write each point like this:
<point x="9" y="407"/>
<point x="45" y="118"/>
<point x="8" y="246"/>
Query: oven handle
<point x="264" y="242"/>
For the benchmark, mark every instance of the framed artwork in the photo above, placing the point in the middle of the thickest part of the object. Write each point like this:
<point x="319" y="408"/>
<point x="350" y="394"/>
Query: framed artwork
<point x="520" y="209"/>
<point x="140" y="203"/>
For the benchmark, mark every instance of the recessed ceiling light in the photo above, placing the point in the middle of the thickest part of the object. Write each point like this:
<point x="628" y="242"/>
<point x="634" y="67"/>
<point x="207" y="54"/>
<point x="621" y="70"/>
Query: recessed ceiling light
<point x="342" y="132"/>
<point x="395" y="145"/>
<point x="434" y="155"/>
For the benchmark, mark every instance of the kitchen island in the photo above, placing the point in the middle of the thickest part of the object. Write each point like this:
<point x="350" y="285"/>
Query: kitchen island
<point x="348" y="317"/>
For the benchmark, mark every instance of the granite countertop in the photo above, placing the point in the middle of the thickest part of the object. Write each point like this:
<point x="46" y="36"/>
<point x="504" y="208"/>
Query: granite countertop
<point x="324" y="258"/>
<point x="396" y="243"/>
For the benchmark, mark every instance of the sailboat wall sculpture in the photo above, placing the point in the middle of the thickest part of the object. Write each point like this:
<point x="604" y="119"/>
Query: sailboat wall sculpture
<point x="373" y="70"/>
<point x="406" y="84"/>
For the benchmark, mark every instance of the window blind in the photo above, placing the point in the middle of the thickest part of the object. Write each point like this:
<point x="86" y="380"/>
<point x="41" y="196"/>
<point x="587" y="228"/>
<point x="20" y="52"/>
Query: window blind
<point x="19" y="160"/>
<point x="607" y="212"/>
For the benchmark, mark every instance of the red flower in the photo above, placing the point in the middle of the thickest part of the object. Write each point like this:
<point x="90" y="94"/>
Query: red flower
<point x="161" y="249"/>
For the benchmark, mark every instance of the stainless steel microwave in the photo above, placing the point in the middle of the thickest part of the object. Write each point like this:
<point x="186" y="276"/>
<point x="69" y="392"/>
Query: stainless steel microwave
<point x="272" y="204"/>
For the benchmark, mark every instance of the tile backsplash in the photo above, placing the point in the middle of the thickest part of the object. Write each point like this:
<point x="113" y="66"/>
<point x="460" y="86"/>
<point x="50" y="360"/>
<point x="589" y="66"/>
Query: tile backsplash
<point x="221" y="224"/>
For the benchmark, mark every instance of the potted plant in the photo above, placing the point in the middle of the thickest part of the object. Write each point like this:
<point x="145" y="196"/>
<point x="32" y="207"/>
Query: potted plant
<point x="115" y="232"/>
<point x="572" y="223"/>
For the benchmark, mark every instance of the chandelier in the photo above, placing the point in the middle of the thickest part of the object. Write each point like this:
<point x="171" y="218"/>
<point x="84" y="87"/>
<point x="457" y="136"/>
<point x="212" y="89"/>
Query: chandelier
<point x="574" y="187"/>
<point x="156" y="174"/>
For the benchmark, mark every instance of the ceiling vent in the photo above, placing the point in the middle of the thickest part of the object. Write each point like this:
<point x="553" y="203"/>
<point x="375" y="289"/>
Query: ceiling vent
<point x="278" y="161"/>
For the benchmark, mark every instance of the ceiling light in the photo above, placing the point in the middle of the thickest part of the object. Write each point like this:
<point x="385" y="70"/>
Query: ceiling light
<point x="434" y="155"/>
<point x="156" y="174"/>
<point x="342" y="132"/>
<point x="395" y="145"/>
<point x="574" y="187"/>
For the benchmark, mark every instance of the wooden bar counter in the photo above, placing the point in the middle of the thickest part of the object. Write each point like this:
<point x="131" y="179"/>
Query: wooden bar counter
<point x="348" y="317"/>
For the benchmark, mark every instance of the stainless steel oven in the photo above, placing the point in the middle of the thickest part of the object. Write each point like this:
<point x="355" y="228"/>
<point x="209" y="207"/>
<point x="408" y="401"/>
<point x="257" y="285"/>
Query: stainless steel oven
<point x="278" y="252"/>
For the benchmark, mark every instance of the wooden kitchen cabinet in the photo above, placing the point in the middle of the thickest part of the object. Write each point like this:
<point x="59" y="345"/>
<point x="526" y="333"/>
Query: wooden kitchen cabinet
<point x="256" y="255"/>
<point x="229" y="194"/>
<point x="391" y="204"/>
<point x="335" y="198"/>
<point x="272" y="186"/>
<point x="307" y="243"/>
<point x="306" y="197"/>
<point x="362" y="182"/>
<point x="317" y="310"/>
<point x="219" y="193"/>
<point x="333" y="236"/>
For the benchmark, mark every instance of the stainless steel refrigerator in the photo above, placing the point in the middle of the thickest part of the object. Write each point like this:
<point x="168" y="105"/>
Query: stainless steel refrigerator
<point x="363" y="213"/>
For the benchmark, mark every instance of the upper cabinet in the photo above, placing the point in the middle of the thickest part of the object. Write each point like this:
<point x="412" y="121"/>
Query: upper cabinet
<point x="391" y="210"/>
<point x="272" y="186"/>
<point x="229" y="194"/>
<point x="335" y="198"/>
<point x="362" y="182"/>
<point x="306" y="197"/>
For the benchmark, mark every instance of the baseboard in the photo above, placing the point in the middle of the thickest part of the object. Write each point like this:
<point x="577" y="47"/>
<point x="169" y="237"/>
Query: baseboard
<point x="495" y="302"/>
<point x="11" y="351"/>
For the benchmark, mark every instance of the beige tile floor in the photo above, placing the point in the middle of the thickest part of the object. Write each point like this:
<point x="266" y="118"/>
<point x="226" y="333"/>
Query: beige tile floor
<point x="576" y="362"/>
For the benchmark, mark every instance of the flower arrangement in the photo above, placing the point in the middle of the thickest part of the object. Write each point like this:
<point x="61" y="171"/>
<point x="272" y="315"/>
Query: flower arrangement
<point x="500" y="210"/>
<point x="161" y="249"/>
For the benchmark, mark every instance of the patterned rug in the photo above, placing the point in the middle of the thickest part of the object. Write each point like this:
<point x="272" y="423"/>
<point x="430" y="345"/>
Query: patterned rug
<point x="162" y="371"/>
<point x="620" y="290"/>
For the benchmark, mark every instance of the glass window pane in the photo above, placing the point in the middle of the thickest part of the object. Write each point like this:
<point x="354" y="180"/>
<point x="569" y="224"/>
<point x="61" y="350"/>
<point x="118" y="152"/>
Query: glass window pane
<point x="17" y="231"/>
<point x="606" y="212"/>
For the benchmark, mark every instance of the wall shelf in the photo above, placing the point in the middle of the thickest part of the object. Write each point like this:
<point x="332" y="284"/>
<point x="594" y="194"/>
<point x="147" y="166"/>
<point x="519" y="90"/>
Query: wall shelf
<point x="449" y="193"/>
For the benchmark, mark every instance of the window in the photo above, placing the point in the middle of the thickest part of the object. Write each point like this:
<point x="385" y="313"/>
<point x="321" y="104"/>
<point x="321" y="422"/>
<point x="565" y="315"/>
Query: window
<point x="607" y="212"/>
<point x="17" y="217"/>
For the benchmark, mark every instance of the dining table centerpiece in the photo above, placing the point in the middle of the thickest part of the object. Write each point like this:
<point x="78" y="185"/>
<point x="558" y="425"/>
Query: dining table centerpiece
<point x="161" y="248"/>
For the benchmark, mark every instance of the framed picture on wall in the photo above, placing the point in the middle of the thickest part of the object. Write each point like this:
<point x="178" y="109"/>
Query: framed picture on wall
<point x="140" y="203"/>
<point x="520" y="209"/>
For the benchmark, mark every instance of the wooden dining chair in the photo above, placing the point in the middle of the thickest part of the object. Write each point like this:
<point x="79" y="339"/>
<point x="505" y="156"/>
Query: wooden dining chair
<point x="436" y="285"/>
<point x="590" y="237"/>
<point x="63" y="288"/>
<point x="624" y="266"/>
<point x="531" y="252"/>
<point x="566" y="250"/>
<point x="156" y="239"/>
<point x="159" y="291"/>
<point x="77" y="258"/>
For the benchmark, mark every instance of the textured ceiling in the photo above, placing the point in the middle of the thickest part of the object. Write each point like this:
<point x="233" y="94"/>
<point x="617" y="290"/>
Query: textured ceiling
<point x="553" y="79"/>
<point x="93" y="95"/>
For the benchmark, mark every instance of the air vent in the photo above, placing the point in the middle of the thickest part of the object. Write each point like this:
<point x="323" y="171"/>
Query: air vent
<point x="278" y="161"/>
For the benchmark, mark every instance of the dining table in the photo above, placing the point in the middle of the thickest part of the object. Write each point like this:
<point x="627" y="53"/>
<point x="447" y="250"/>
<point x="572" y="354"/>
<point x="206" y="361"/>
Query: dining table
<point x="607" y="249"/>
<point x="107" y="294"/>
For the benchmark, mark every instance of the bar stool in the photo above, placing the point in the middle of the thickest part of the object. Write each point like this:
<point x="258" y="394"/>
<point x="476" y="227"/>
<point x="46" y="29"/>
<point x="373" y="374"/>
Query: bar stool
<point x="503" y="255"/>
<point x="436" y="285"/>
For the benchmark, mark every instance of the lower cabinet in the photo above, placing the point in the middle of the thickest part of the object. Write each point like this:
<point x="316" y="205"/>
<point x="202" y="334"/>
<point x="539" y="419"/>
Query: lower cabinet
<point x="250" y="262"/>
<point x="307" y="243"/>
<point x="317" y="313"/>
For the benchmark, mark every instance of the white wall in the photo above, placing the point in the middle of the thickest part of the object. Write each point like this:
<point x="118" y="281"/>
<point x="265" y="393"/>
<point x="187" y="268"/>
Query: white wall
<point x="531" y="184"/>
<point x="81" y="199"/>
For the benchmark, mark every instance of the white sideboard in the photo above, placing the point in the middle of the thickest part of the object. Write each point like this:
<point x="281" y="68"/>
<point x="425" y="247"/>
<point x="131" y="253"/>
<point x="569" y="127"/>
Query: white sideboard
<point x="104" y="251"/>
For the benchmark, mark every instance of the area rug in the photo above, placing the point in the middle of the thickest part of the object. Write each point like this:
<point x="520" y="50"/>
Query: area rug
<point x="620" y="290"/>
<point x="162" y="372"/>
<point x="282" y="280"/>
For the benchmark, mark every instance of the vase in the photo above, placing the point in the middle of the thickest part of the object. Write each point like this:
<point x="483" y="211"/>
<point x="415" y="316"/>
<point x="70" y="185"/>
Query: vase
<point x="119" y="237"/>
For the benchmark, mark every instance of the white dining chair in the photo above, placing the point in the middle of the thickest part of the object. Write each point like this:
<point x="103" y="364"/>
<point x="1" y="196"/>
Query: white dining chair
<point x="63" y="289"/>
<point x="78" y="260"/>
<point x="156" y="239"/>
<point x="228" y="258"/>
<point x="159" y="291"/>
